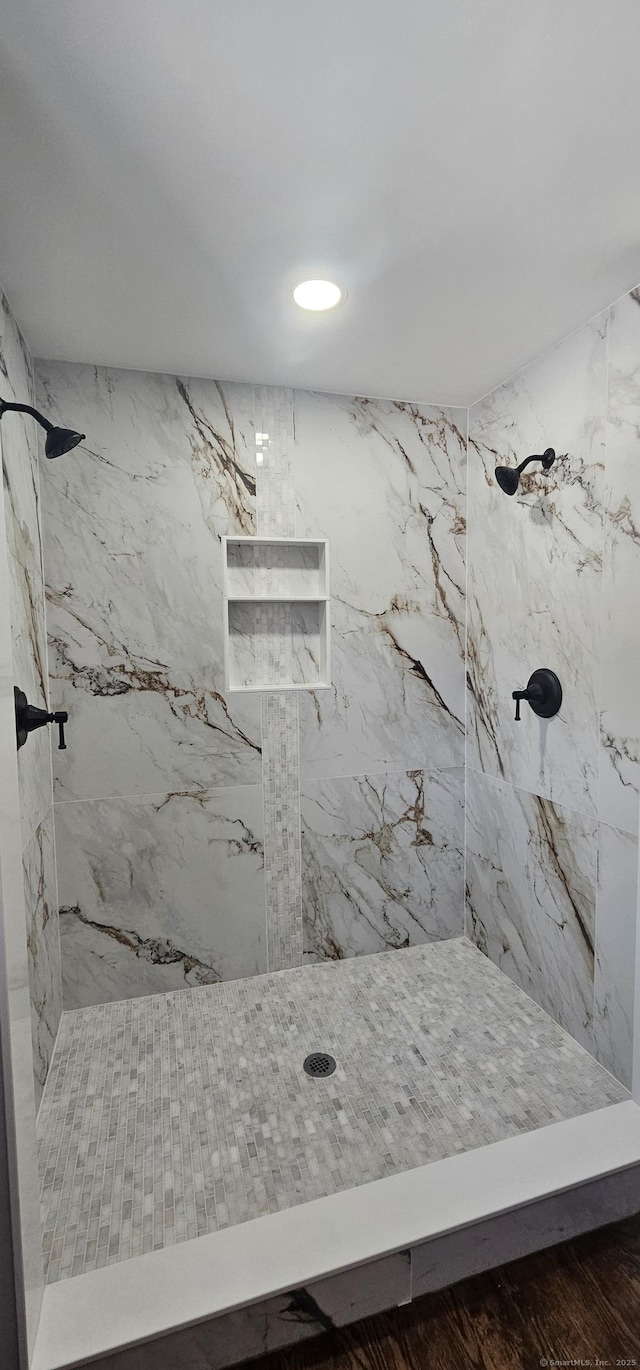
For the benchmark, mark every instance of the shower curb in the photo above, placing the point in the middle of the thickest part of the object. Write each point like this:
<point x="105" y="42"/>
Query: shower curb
<point x="259" y="1286"/>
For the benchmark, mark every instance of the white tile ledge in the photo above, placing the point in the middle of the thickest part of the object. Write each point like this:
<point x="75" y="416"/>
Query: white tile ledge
<point x="144" y="1298"/>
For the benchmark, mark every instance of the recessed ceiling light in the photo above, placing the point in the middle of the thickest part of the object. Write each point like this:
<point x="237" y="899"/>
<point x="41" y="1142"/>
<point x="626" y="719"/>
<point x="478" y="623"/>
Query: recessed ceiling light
<point x="317" y="294"/>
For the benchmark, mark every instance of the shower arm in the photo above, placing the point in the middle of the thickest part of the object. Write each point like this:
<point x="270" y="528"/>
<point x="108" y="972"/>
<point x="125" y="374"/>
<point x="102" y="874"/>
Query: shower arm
<point x="58" y="440"/>
<point x="544" y="458"/>
<point x="6" y="405"/>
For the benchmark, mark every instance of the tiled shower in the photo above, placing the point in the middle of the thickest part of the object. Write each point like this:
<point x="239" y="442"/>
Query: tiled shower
<point x="212" y="877"/>
<point x="330" y="822"/>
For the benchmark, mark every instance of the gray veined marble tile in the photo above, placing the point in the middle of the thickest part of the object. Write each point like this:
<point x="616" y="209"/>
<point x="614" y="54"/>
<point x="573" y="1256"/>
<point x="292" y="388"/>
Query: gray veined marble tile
<point x="531" y="892"/>
<point x="26" y="584"/>
<point x="385" y="483"/>
<point x="616" y="915"/>
<point x="275" y="1323"/>
<point x="619" y="717"/>
<point x="159" y="892"/>
<point x="25" y="792"/>
<point x="535" y="571"/>
<point x="43" y="947"/>
<point x="510" y="1236"/>
<point x="382" y="861"/>
<point x="134" y="581"/>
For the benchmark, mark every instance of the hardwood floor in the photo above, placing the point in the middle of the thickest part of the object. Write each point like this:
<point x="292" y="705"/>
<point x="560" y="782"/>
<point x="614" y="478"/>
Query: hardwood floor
<point x="577" y="1303"/>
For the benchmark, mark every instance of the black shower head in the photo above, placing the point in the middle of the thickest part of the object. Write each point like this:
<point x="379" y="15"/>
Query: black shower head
<point x="61" y="440"/>
<point x="58" y="440"/>
<point x="508" y="477"/>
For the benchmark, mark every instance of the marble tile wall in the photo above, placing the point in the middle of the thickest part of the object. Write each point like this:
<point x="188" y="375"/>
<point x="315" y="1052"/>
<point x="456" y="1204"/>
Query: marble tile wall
<point x="552" y="806"/>
<point x="29" y="988"/>
<point x="22" y="522"/>
<point x="381" y="860"/>
<point x="381" y="752"/>
<point x="386" y="483"/>
<point x="134" y="577"/>
<point x="159" y="824"/>
<point x="362" y="785"/>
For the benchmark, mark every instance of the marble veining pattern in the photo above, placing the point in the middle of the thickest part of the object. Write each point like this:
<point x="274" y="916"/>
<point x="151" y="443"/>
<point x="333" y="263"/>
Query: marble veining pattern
<point x="550" y="579"/>
<point x="174" y="1115"/>
<point x="160" y="891"/>
<point x="535" y="571"/>
<point x="43" y="946"/>
<point x="616" y="932"/>
<point x="620" y="671"/>
<point x="385" y="482"/>
<point x="25" y="798"/>
<point x="22" y="520"/>
<point x="382" y="859"/>
<point x="19" y="446"/>
<point x="275" y="1323"/>
<point x="136" y="635"/>
<point x="531" y="896"/>
<point x="134" y="581"/>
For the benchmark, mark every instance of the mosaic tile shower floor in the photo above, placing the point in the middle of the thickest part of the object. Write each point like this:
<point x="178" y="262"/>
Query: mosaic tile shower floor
<point x="173" y="1115"/>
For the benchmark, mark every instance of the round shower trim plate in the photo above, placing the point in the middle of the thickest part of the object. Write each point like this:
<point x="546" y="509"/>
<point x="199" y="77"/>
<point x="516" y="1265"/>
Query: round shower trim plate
<point x="319" y="1065"/>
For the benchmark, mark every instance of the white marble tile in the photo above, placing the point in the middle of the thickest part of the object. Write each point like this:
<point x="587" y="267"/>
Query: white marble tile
<point x="158" y="892"/>
<point x="385" y="483"/>
<point x="15" y="1008"/>
<point x="531" y="892"/>
<point x="535" y="571"/>
<point x="619" y="715"/>
<point x="133" y="521"/>
<point x="43" y="945"/>
<point x="24" y="546"/>
<point x="276" y="1323"/>
<point x="382" y="861"/>
<point x="233" y="1338"/>
<point x="615" y="950"/>
<point x="25" y="796"/>
<point x="510" y="1236"/>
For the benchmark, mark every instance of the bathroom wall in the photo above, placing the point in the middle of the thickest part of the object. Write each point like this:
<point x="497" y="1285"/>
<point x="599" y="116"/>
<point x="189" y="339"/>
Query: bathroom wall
<point x="201" y="835"/>
<point x="552" y="805"/>
<point x="28" y="636"/>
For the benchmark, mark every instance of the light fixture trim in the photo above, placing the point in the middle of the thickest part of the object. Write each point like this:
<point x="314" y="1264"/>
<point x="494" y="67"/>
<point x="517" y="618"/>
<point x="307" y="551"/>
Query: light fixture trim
<point x="318" y="294"/>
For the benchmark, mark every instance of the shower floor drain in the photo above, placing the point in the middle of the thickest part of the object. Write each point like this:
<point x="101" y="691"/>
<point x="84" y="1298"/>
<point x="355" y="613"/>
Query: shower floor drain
<point x="319" y="1064"/>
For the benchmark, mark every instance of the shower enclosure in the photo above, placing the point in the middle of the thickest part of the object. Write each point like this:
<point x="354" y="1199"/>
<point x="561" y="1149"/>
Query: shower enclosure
<point x="296" y="816"/>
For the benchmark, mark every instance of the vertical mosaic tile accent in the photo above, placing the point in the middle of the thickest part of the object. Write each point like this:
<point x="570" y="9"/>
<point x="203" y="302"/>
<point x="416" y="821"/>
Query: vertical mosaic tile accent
<point x="275" y="494"/>
<point x="283" y="860"/>
<point x="275" y="516"/>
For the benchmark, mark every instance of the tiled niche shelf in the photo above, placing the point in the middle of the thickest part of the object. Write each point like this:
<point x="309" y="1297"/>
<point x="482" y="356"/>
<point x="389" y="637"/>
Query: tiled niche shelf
<point x="276" y="614"/>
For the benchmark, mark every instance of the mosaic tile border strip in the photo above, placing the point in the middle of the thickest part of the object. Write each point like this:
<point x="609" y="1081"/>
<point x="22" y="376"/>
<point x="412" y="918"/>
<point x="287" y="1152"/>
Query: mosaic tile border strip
<point x="275" y="514"/>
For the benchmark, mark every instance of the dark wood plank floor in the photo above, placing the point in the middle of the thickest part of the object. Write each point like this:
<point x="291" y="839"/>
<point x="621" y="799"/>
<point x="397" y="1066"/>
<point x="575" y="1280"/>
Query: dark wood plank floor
<point x="576" y="1303"/>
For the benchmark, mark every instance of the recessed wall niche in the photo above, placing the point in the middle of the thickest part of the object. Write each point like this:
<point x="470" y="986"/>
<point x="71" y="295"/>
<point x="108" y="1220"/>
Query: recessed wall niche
<point x="276" y="614"/>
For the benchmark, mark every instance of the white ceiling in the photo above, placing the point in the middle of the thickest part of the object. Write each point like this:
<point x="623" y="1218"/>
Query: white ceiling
<point x="470" y="169"/>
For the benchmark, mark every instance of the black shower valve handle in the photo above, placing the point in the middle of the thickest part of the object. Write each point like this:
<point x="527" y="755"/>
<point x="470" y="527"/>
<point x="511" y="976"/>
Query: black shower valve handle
<point x="61" y="717"/>
<point x="29" y="717"/>
<point x="533" y="694"/>
<point x="543" y="692"/>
